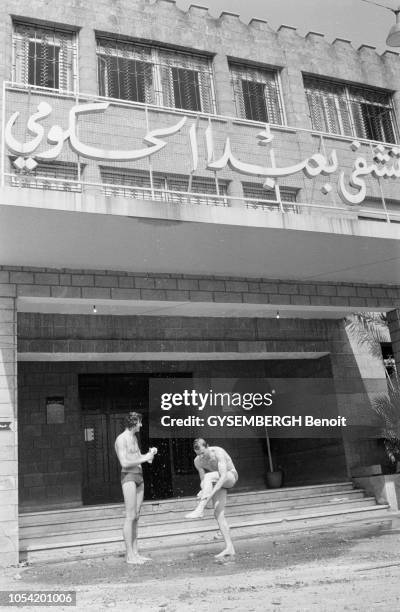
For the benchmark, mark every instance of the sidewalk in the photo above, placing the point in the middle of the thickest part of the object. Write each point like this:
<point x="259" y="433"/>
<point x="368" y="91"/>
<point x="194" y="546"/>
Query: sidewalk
<point x="352" y="568"/>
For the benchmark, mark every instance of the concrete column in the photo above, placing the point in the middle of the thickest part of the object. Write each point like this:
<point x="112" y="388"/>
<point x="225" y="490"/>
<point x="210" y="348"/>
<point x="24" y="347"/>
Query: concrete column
<point x="393" y="318"/>
<point x="87" y="61"/>
<point x="294" y="98"/>
<point x="6" y="63"/>
<point x="358" y="377"/>
<point x="391" y="61"/>
<point x="8" y="414"/>
<point x="223" y="86"/>
<point x="88" y="83"/>
<point x="235" y="189"/>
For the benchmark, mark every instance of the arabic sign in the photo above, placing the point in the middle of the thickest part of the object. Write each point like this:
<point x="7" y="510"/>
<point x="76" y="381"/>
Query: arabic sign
<point x="5" y="425"/>
<point x="386" y="162"/>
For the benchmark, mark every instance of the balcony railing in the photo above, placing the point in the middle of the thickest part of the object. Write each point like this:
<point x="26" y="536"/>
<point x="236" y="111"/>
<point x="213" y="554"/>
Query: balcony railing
<point x="197" y="199"/>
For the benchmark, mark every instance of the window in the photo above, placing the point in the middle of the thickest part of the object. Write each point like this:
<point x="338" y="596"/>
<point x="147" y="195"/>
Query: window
<point x="349" y="110"/>
<point x="56" y="176"/>
<point x="204" y="186"/>
<point x="256" y="93"/>
<point x="129" y="183"/>
<point x="372" y="209"/>
<point x="126" y="72"/>
<point x="388" y="359"/>
<point x="260" y="198"/>
<point x="139" y="73"/>
<point x="186" y="88"/>
<point x="166" y="187"/>
<point x="44" y="57"/>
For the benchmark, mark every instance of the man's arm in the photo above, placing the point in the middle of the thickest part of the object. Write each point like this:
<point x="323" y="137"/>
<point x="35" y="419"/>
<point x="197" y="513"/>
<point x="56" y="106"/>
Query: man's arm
<point x="201" y="474"/>
<point x="199" y="469"/>
<point x="222" y="469"/>
<point x="122" y="454"/>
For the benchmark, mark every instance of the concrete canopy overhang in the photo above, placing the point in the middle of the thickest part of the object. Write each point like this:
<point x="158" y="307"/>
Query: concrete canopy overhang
<point x="171" y="356"/>
<point x="156" y="238"/>
<point x="163" y="308"/>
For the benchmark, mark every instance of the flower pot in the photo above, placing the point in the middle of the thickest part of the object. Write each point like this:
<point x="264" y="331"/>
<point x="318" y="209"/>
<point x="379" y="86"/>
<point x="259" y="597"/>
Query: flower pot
<point x="275" y="479"/>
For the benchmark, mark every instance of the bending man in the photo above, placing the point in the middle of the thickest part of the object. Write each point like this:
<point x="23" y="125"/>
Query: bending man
<point x="217" y="474"/>
<point x="131" y="459"/>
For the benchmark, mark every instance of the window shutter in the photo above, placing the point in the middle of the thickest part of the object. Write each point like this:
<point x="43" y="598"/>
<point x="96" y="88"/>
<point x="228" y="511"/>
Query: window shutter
<point x="44" y="57"/>
<point x="256" y="94"/>
<point x="125" y="71"/>
<point x="350" y="110"/>
<point x="316" y="106"/>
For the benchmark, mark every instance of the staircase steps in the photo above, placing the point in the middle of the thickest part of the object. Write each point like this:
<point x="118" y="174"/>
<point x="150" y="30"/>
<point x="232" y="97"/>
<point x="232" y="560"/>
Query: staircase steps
<point x="91" y="530"/>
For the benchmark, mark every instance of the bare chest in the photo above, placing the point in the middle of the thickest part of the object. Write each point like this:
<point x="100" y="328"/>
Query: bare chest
<point x="132" y="446"/>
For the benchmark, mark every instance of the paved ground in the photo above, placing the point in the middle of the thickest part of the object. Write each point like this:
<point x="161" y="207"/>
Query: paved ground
<point x="355" y="568"/>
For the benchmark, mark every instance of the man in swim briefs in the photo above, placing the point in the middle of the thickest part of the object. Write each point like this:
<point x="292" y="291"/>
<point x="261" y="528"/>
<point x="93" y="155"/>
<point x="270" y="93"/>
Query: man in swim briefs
<point x="131" y="459"/>
<point x="217" y="474"/>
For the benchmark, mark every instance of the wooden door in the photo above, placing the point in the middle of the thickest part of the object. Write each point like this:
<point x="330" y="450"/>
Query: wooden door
<point x="96" y="472"/>
<point x="105" y="401"/>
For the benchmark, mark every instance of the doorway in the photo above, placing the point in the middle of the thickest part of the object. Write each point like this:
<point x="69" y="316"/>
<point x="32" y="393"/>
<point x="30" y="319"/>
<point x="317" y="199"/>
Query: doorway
<point x="105" y="400"/>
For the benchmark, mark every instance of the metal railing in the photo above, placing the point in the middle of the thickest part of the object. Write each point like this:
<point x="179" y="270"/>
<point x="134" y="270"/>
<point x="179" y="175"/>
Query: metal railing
<point x="197" y="199"/>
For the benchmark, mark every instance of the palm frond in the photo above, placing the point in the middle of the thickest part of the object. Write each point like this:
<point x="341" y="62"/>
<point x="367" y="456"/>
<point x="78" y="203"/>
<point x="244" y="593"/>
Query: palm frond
<point x="388" y="409"/>
<point x="369" y="330"/>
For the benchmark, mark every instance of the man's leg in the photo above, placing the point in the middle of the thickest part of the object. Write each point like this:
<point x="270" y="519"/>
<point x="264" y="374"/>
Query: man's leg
<point x="129" y="528"/>
<point x="207" y="486"/>
<point x="219" y="499"/>
<point x="139" y="501"/>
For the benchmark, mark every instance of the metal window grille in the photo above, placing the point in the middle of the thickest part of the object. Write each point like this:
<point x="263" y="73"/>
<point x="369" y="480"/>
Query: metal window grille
<point x="166" y="187"/>
<point x="56" y="176"/>
<point x="205" y="187"/>
<point x="129" y="183"/>
<point x="45" y="57"/>
<point x="349" y="110"/>
<point x="372" y="210"/>
<point x="259" y="198"/>
<point x="257" y="94"/>
<point x="153" y="75"/>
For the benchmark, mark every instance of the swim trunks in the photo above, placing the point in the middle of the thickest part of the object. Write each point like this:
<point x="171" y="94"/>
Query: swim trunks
<point x="136" y="477"/>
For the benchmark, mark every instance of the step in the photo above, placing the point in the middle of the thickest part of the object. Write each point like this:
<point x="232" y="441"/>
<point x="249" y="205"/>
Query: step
<point x="175" y="527"/>
<point x="161" y="513"/>
<point x="91" y="548"/>
<point x="158" y="517"/>
<point x="81" y="513"/>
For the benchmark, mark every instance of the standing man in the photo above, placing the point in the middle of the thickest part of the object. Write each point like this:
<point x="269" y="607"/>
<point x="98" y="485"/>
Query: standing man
<point x="130" y="458"/>
<point x="217" y="474"/>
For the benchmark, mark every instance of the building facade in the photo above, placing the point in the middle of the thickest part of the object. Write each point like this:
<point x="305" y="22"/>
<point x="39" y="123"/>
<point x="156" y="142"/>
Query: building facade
<point x="170" y="183"/>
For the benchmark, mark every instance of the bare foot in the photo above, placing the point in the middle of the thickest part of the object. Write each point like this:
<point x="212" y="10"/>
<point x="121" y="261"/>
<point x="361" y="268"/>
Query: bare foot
<point x="227" y="553"/>
<point x="195" y="514"/>
<point x="137" y="560"/>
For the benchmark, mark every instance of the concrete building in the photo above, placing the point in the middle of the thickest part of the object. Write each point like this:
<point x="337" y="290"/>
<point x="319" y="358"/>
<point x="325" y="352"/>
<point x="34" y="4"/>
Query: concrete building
<point x="268" y="181"/>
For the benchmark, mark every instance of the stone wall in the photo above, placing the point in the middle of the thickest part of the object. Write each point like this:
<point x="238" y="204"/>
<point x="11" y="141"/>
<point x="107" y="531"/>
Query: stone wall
<point x="49" y="455"/>
<point x="8" y="439"/>
<point x="104" y="284"/>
